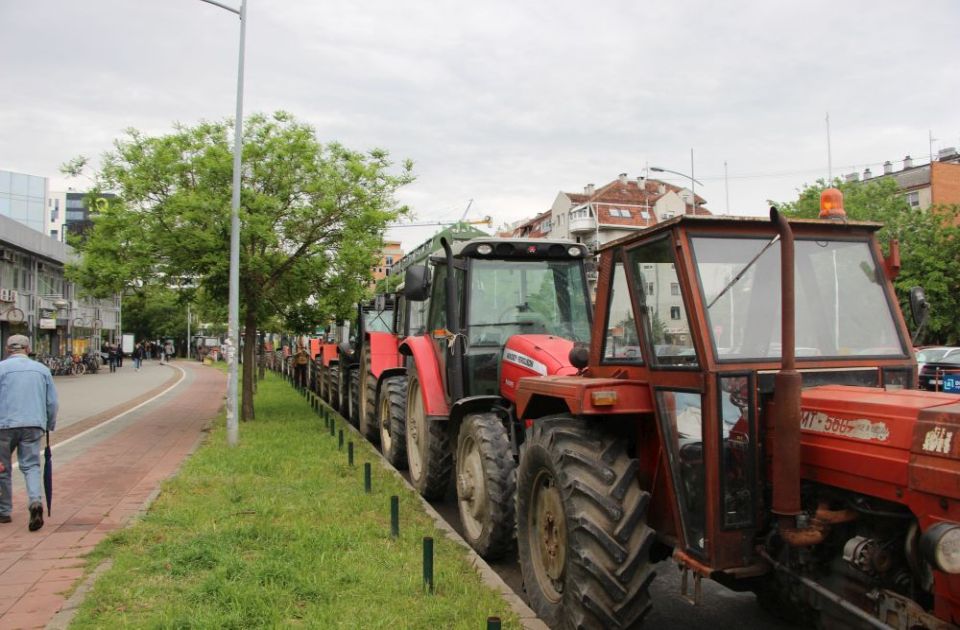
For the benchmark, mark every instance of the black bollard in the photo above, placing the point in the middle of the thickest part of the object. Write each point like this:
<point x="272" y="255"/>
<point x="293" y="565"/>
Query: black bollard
<point x="340" y="440"/>
<point x="428" y="563"/>
<point x="395" y="516"/>
<point x="350" y="453"/>
<point x="493" y="623"/>
<point x="367" y="483"/>
<point x="333" y="426"/>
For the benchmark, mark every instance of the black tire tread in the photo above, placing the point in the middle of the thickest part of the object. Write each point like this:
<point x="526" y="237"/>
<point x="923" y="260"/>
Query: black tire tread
<point x="395" y="391"/>
<point x="500" y="471"/>
<point x="438" y="467"/>
<point x="608" y="573"/>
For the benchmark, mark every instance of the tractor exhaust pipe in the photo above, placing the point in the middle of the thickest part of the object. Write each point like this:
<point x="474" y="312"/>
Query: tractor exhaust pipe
<point x="455" y="361"/>
<point x="786" y="397"/>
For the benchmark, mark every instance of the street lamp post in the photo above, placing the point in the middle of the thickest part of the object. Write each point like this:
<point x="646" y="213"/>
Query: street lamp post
<point x="693" y="181"/>
<point x="233" y="319"/>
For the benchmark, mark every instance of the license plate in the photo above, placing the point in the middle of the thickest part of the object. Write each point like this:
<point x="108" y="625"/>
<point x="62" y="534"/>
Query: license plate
<point x="951" y="383"/>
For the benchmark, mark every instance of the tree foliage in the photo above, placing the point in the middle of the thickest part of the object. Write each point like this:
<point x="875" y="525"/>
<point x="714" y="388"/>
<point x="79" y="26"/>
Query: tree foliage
<point x="929" y="245"/>
<point x="312" y="218"/>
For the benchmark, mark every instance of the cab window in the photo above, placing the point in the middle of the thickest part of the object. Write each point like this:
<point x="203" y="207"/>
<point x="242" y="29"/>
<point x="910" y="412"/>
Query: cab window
<point x="621" y="342"/>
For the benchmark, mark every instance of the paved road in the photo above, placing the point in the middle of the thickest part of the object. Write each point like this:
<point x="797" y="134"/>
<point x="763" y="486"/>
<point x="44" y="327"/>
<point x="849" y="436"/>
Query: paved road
<point x="122" y="434"/>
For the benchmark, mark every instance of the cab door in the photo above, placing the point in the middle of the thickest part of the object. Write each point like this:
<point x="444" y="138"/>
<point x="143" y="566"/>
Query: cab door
<point x="685" y="418"/>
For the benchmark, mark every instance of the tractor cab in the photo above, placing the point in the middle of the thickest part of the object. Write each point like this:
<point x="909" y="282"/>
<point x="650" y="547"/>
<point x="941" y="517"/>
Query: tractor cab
<point x="500" y="289"/>
<point x="694" y="309"/>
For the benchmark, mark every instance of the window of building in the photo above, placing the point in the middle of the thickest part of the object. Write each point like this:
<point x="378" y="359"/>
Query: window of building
<point x="675" y="312"/>
<point x="650" y="288"/>
<point x="674" y="288"/>
<point x="389" y="261"/>
<point x="54" y="235"/>
<point x="913" y="199"/>
<point x="620" y="212"/>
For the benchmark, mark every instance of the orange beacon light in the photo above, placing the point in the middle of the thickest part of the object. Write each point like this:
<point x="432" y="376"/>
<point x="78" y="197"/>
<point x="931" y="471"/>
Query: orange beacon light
<point x="831" y="204"/>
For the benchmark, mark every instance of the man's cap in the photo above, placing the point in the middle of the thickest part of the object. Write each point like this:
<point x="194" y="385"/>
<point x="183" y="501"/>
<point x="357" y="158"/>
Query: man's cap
<point x="18" y="342"/>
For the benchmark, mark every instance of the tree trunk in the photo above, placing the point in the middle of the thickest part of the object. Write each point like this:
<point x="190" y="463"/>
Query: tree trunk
<point x="249" y="362"/>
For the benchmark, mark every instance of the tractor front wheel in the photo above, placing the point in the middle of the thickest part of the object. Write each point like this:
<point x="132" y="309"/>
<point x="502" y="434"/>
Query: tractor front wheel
<point x="582" y="536"/>
<point x="392" y="422"/>
<point x="333" y="387"/>
<point x="368" y="399"/>
<point x="486" y="484"/>
<point x="428" y="447"/>
<point x="353" y="397"/>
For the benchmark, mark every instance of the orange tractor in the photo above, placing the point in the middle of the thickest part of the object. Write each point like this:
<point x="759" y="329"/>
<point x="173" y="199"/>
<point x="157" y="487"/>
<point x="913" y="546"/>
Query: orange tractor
<point x="747" y="407"/>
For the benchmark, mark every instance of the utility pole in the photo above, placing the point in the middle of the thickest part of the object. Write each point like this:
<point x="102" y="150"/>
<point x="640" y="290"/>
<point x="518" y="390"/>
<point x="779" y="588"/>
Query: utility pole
<point x="189" y="338"/>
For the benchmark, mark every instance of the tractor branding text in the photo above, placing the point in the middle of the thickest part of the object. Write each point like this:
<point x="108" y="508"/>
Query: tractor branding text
<point x="860" y="428"/>
<point x="937" y="440"/>
<point x="512" y="356"/>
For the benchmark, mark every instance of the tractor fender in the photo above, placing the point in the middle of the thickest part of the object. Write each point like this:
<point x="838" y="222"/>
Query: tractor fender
<point x="382" y="351"/>
<point x="476" y="404"/>
<point x="544" y="395"/>
<point x="328" y="353"/>
<point x="428" y="373"/>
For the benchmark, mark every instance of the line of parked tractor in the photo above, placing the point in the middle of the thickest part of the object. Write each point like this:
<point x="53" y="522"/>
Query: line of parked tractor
<point x="742" y="399"/>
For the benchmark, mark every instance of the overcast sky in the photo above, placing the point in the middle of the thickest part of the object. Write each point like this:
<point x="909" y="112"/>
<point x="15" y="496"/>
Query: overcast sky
<point x="502" y="102"/>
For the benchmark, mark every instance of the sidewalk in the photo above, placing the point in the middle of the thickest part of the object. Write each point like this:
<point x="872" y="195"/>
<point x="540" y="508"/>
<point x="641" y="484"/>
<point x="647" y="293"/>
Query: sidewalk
<point x="98" y="488"/>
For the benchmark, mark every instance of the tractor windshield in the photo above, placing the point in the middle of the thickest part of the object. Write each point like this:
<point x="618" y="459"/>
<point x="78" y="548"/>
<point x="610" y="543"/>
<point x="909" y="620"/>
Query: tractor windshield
<point x="378" y="321"/>
<point x="841" y="305"/>
<point x="510" y="297"/>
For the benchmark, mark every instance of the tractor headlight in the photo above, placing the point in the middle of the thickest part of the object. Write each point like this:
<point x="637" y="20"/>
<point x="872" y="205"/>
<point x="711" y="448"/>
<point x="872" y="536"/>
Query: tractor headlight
<point x="484" y="249"/>
<point x="940" y="545"/>
<point x="575" y="251"/>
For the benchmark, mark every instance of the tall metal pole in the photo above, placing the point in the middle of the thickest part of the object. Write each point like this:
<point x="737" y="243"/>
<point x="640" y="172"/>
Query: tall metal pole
<point x="693" y="182"/>
<point x="189" y="340"/>
<point x="233" y="325"/>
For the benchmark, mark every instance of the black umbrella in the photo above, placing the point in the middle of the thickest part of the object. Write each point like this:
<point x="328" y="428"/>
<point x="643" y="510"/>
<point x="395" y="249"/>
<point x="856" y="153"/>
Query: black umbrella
<point x="48" y="474"/>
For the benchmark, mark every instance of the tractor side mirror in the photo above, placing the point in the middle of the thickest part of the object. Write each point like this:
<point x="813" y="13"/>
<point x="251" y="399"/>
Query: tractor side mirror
<point x="919" y="307"/>
<point x="579" y="356"/>
<point x="416" y="283"/>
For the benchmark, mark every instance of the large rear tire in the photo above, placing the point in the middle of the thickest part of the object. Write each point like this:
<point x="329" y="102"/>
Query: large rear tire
<point x="486" y="484"/>
<point x="368" y="399"/>
<point x="582" y="535"/>
<point x="333" y="387"/>
<point x="392" y="420"/>
<point x="428" y="447"/>
<point x="353" y="393"/>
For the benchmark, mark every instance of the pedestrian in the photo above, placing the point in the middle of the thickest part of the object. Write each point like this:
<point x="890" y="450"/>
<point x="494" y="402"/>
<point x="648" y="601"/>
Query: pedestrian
<point x="300" y="361"/>
<point x="28" y="408"/>
<point x="119" y="355"/>
<point x="168" y="350"/>
<point x="112" y="354"/>
<point x="138" y="356"/>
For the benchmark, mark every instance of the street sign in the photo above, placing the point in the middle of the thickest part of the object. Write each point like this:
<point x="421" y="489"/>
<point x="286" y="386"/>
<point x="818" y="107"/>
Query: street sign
<point x="48" y="323"/>
<point x="951" y="383"/>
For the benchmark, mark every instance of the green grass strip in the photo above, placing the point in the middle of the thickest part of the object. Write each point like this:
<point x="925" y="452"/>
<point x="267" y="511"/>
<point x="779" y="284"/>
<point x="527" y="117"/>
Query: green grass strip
<point x="278" y="532"/>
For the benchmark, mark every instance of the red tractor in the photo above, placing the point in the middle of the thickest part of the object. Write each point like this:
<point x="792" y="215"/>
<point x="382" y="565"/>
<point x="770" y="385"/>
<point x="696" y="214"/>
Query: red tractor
<point x="499" y="310"/>
<point x="748" y="408"/>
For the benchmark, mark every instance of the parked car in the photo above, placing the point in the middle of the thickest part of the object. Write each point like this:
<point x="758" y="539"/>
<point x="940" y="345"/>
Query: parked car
<point x="931" y="354"/>
<point x="939" y="369"/>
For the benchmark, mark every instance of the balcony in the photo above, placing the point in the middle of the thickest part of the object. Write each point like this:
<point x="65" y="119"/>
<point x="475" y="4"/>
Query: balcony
<point x="581" y="222"/>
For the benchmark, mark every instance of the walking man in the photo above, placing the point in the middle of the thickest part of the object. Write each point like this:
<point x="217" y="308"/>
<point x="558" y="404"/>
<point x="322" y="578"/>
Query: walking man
<point x="300" y="361"/>
<point x="138" y="356"/>
<point x="28" y="407"/>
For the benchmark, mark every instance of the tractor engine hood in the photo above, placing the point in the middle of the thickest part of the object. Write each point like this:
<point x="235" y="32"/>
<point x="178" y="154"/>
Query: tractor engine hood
<point x="533" y="355"/>
<point x="855" y="437"/>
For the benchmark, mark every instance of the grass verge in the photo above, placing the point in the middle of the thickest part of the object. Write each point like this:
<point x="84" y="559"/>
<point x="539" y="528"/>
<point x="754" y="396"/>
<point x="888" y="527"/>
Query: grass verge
<point x="279" y="532"/>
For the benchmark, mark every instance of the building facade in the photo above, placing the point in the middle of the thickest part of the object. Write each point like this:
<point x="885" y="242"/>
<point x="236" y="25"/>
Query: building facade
<point x="390" y="253"/>
<point x="37" y="300"/>
<point x="23" y="198"/>
<point x="936" y="183"/>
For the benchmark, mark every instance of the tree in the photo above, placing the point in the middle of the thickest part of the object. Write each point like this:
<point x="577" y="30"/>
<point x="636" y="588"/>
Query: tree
<point x="312" y="217"/>
<point x="929" y="244"/>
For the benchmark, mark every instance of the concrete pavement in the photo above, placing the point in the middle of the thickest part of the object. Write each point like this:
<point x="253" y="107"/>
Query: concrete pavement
<point x="113" y="449"/>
